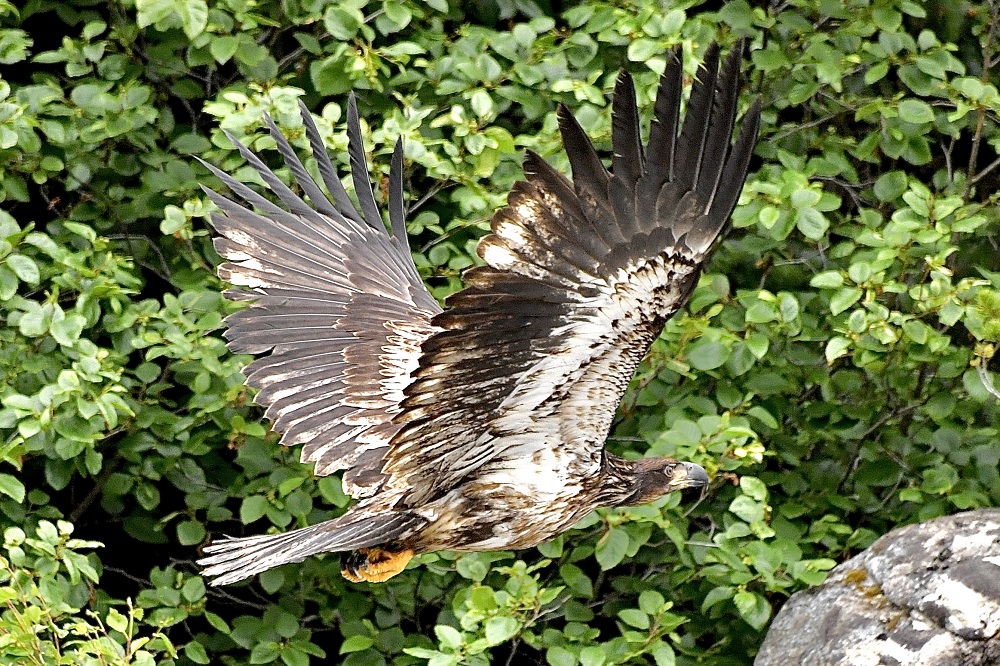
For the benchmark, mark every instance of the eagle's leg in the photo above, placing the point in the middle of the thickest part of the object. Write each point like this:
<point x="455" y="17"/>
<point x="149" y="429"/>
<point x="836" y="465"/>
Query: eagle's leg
<point x="375" y="564"/>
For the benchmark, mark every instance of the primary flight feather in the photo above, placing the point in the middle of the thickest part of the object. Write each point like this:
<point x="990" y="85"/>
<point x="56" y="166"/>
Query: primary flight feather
<point x="481" y="426"/>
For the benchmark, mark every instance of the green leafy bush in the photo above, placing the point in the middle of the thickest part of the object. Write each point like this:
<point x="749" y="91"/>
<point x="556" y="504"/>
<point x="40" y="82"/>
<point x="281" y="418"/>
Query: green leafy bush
<point x="828" y="371"/>
<point x="45" y="584"/>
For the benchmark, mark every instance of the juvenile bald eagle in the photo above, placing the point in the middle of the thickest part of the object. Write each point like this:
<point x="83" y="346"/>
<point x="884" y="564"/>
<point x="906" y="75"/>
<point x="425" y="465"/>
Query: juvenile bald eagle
<point x="482" y="426"/>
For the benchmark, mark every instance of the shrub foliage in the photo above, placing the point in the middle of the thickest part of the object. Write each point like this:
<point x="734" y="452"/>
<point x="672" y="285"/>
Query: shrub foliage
<point x="828" y="371"/>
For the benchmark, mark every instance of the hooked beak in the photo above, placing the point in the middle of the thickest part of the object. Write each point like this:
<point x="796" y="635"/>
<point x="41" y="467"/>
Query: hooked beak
<point x="690" y="475"/>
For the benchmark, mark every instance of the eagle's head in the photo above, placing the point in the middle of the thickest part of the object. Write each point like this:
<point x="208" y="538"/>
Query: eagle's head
<point x="635" y="482"/>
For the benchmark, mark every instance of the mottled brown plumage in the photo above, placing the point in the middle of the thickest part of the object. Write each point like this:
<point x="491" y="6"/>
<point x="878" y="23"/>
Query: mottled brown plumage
<point x="480" y="427"/>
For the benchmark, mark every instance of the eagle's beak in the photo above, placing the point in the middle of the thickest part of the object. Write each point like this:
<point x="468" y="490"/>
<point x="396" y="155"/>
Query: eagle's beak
<point x="691" y="476"/>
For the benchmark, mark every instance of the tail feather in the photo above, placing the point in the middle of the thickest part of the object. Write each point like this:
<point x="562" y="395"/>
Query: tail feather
<point x="231" y="560"/>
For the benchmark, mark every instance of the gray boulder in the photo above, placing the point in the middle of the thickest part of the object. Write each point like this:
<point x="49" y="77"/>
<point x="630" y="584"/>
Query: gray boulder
<point x="922" y="595"/>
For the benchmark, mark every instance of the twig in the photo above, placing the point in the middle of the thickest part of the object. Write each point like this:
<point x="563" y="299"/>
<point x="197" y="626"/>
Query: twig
<point x="701" y="496"/>
<point x="132" y="577"/>
<point x="984" y="376"/>
<point x="128" y="238"/>
<point x="219" y="592"/>
<point x="811" y="123"/>
<point x="947" y="159"/>
<point x="427" y="197"/>
<point x="981" y="111"/>
<point x="885" y="418"/>
<point x="847" y="187"/>
<point x="513" y="650"/>
<point x="702" y="544"/>
<point x="106" y="473"/>
<point x="993" y="165"/>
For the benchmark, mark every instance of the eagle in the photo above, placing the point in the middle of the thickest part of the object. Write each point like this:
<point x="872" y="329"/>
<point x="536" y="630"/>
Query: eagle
<point x="480" y="426"/>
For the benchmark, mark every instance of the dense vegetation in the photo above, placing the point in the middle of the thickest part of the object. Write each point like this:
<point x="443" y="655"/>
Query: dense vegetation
<point x="826" y="372"/>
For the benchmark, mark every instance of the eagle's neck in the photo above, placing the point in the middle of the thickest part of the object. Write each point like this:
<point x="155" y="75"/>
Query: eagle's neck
<point x="620" y="480"/>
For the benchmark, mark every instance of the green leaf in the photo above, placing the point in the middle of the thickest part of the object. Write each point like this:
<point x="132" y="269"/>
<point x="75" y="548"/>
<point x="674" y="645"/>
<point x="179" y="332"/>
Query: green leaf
<point x="24" y="268"/>
<point x="651" y="602"/>
<point x="939" y="480"/>
<point x="576" y="580"/>
<point x="754" y="487"/>
<point x="192" y="144"/>
<point x="342" y="23"/>
<point x="12" y="487"/>
<point x="746" y="508"/>
<point x="193" y="589"/>
<point x="611" y="548"/>
<point x="559" y="656"/>
<point x="812" y="223"/>
<point x="398" y="13"/>
<point x="641" y="50"/>
<point x="876" y="73"/>
<point x="422" y="653"/>
<point x="482" y="103"/>
<point x="761" y="312"/>
<point x="444" y="660"/>
<point x="272" y="580"/>
<point x="195" y="651"/>
<point x="753" y="608"/>
<point x="758" y="344"/>
<point x="805" y="198"/>
<point x="67" y="331"/>
<point x="715" y="595"/>
<point x="593" y="655"/>
<point x="740" y="360"/>
<point x="915" y="111"/>
<point x="194" y="16"/>
<point x="501" y="629"/>
<point x="769" y="216"/>
<point x="890" y="186"/>
<point x="837" y="347"/>
<point x="663" y="654"/>
<point x="223" y="47"/>
<point x="738" y="14"/>
<point x="482" y="598"/>
<point x="449" y="636"/>
<point x="264" y="653"/>
<point x="8" y="283"/>
<point x="190" y="532"/>
<point x="253" y="508"/>
<point x="634" y="618"/>
<point x="763" y="416"/>
<point x="859" y="272"/>
<point x="116" y="621"/>
<point x="356" y="643"/>
<point x="917" y="331"/>
<point x="705" y="355"/>
<point x="844" y="298"/>
<point x="36" y="320"/>
<point x="217" y="622"/>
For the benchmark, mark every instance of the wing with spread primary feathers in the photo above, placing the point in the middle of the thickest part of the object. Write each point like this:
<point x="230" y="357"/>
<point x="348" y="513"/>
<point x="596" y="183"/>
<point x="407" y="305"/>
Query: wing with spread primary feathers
<point x="335" y="303"/>
<point x="537" y="350"/>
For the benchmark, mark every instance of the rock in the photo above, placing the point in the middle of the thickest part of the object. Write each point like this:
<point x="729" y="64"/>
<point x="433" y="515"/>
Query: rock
<point x="922" y="595"/>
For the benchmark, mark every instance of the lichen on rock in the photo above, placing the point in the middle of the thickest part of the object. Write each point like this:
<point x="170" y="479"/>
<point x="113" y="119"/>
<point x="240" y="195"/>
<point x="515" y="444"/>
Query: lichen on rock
<point x="922" y="595"/>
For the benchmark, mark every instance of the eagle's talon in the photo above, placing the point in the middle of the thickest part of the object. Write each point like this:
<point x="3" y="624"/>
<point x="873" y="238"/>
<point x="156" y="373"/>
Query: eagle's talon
<point x="375" y="565"/>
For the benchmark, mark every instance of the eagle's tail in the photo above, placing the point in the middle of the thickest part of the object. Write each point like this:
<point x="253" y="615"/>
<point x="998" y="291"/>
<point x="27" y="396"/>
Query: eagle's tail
<point x="231" y="559"/>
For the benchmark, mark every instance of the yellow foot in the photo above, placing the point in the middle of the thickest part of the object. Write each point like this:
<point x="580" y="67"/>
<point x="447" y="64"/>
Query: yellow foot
<point x="374" y="564"/>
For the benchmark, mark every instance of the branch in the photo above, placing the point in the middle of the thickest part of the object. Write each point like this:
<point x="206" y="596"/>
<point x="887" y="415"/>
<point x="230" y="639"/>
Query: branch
<point x="987" y="380"/>
<point x="109" y="469"/>
<point x="981" y="111"/>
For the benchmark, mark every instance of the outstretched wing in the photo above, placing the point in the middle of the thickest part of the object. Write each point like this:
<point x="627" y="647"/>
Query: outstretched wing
<point x="336" y="304"/>
<point x="536" y="352"/>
